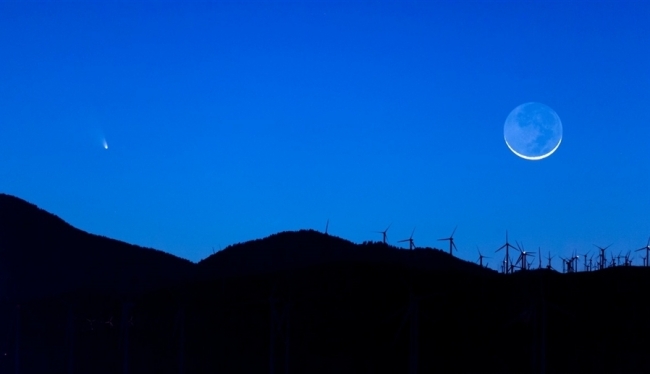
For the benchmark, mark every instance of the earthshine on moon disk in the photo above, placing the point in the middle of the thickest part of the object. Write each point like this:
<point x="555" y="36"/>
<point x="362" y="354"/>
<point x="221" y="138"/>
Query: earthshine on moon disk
<point x="533" y="131"/>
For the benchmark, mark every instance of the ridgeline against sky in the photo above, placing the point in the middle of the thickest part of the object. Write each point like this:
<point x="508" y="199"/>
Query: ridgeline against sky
<point x="302" y="301"/>
<point x="184" y="127"/>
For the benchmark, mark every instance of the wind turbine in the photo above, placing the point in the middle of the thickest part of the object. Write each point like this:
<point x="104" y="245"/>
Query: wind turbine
<point x="586" y="265"/>
<point x="522" y="256"/>
<point x="383" y="233"/>
<point x="327" y="225"/>
<point x="451" y="241"/>
<point x="507" y="246"/>
<point x="567" y="265"/>
<point x="626" y="259"/>
<point x="573" y="261"/>
<point x="410" y="240"/>
<point x="480" y="257"/>
<point x="549" y="267"/>
<point x="603" y="260"/>
<point x="647" y="251"/>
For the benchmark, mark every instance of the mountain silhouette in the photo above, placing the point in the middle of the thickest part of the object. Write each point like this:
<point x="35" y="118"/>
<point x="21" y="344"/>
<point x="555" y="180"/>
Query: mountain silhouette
<point x="300" y="302"/>
<point x="41" y="255"/>
<point x="298" y="249"/>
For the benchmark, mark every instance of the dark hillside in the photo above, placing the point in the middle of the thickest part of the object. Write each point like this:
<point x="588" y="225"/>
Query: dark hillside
<point x="41" y="255"/>
<point x="298" y="249"/>
<point x="358" y="318"/>
<point x="301" y="302"/>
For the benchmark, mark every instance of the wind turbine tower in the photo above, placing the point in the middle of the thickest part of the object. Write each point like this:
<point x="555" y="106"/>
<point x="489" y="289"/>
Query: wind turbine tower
<point x="410" y="240"/>
<point x="507" y="246"/>
<point x="603" y="260"/>
<point x="647" y="250"/>
<point x="548" y="266"/>
<point x="523" y="256"/>
<point x="383" y="233"/>
<point x="452" y="246"/>
<point x="586" y="263"/>
<point x="480" y="257"/>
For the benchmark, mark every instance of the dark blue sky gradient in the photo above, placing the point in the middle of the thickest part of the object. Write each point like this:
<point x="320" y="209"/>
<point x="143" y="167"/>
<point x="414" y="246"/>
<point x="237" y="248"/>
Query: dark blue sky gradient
<point x="229" y="122"/>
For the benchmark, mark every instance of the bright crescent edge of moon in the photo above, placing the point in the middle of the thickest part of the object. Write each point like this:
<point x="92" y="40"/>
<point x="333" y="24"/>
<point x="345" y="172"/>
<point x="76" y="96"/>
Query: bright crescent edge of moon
<point x="534" y="158"/>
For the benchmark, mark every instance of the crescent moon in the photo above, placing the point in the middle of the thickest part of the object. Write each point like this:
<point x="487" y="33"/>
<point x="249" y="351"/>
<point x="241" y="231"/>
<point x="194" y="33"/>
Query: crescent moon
<point x="533" y="131"/>
<point x="533" y="158"/>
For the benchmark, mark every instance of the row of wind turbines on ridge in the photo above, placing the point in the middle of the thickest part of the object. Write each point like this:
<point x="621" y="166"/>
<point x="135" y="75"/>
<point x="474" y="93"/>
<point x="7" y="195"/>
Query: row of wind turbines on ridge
<point x="569" y="265"/>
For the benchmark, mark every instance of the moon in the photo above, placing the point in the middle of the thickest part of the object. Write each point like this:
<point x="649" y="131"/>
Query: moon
<point x="533" y="131"/>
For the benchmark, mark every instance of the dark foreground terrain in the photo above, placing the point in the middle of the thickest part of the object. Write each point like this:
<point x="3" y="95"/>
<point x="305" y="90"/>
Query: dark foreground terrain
<point x="300" y="302"/>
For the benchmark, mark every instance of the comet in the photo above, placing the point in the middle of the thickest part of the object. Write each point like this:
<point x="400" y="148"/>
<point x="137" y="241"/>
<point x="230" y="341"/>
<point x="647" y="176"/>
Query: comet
<point x="105" y="144"/>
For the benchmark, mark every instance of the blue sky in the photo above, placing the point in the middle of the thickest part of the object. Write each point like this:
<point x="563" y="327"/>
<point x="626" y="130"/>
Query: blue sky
<point x="228" y="122"/>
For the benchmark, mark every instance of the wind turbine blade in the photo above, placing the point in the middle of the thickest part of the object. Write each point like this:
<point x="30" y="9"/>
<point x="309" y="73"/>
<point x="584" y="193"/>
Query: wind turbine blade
<point x="453" y="232"/>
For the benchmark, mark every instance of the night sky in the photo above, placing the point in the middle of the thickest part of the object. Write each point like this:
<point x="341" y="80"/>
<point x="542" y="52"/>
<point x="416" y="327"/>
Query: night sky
<point x="231" y="121"/>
